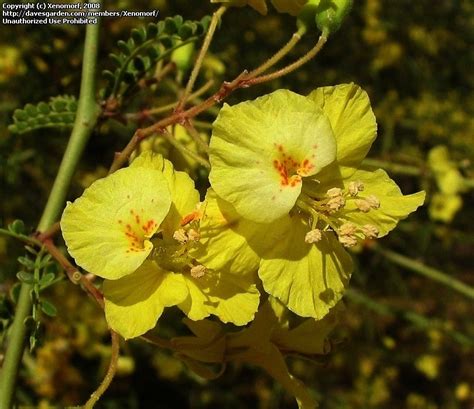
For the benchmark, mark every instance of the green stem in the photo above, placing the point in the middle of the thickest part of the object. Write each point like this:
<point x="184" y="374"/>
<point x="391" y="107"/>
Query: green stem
<point x="414" y="318"/>
<point x="109" y="376"/>
<point x="185" y="151"/>
<point x="21" y="237"/>
<point x="393" y="167"/>
<point x="290" y="68"/>
<point x="169" y="107"/>
<point x="87" y="114"/>
<point x="202" y="53"/>
<point x="295" y="38"/>
<point x="409" y="170"/>
<point x="426" y="271"/>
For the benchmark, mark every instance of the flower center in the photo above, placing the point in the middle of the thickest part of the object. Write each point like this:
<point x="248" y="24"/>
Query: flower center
<point x="174" y="255"/>
<point x="136" y="230"/>
<point x="170" y="256"/>
<point x="327" y="213"/>
<point x="289" y="169"/>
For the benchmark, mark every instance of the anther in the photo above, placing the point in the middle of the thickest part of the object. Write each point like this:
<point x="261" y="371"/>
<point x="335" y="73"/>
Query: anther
<point x="346" y="234"/>
<point x="334" y="192"/>
<point x="370" y="231"/>
<point x="335" y="203"/>
<point x="347" y="229"/>
<point x="355" y="187"/>
<point x="363" y="205"/>
<point x="313" y="236"/>
<point x="348" y="241"/>
<point x="374" y="202"/>
<point x="180" y="235"/>
<point x="198" y="271"/>
<point x="193" y="235"/>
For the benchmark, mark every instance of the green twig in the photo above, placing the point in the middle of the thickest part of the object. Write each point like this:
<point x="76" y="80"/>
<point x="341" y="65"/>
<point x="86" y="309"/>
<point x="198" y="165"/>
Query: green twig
<point x="409" y="170"/>
<point x="169" y="107"/>
<point x="295" y="38"/>
<point x="202" y="53"/>
<point x="290" y="68"/>
<point x="21" y="237"/>
<point x="394" y="167"/>
<point x="426" y="271"/>
<point x="414" y="318"/>
<point x="185" y="151"/>
<point x="109" y="376"/>
<point x="86" y="117"/>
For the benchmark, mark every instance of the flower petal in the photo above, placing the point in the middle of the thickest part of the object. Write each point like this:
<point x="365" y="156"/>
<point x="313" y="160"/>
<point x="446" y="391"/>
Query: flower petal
<point x="134" y="303"/>
<point x="261" y="149"/>
<point x="309" y="337"/>
<point x="394" y="206"/>
<point x="232" y="299"/>
<point x="348" y="108"/>
<point x="107" y="229"/>
<point x="184" y="196"/>
<point x="224" y="238"/>
<point x="308" y="278"/>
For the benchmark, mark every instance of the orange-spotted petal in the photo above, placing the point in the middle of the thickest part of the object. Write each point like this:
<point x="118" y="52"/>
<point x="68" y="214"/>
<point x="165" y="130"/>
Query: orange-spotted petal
<point x="107" y="229"/>
<point x="261" y="150"/>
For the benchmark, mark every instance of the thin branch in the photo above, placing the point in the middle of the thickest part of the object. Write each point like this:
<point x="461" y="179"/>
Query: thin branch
<point x="295" y="38"/>
<point x="289" y="68"/>
<point x="109" y="376"/>
<point x="185" y="151"/>
<point x="171" y="106"/>
<point x="394" y="167"/>
<point x="73" y="273"/>
<point x="202" y="144"/>
<point x="425" y="271"/>
<point x="202" y="53"/>
<point x="202" y="124"/>
<point x="25" y="239"/>
<point x="414" y="318"/>
<point x="226" y="88"/>
<point x="50" y="233"/>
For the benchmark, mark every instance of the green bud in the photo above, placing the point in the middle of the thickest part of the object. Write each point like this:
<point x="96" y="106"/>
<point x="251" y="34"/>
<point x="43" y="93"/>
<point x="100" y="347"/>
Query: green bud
<point x="326" y="14"/>
<point x="183" y="57"/>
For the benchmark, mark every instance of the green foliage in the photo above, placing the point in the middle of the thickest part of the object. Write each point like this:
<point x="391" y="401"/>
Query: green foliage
<point x="59" y="112"/>
<point x="145" y="48"/>
<point x="39" y="272"/>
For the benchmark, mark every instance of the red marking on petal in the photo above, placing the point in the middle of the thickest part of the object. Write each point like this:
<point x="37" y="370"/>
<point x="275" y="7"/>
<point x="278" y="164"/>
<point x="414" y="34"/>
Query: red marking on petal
<point x="189" y="218"/>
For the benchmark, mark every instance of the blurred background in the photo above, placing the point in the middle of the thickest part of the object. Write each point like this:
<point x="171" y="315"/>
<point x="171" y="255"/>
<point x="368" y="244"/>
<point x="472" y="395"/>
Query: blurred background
<point x="406" y="340"/>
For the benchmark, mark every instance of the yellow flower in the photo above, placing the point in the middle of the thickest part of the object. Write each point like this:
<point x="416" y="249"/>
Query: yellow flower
<point x="170" y="264"/>
<point x="288" y="166"/>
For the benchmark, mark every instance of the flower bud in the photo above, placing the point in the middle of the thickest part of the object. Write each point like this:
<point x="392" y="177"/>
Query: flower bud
<point x="328" y="14"/>
<point x="331" y="13"/>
